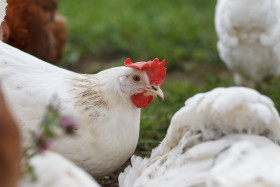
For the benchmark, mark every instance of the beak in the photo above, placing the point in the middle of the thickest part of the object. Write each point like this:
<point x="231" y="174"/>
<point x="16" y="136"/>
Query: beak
<point x="155" y="91"/>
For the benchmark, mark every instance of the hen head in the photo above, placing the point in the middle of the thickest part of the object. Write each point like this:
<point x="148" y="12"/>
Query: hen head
<point x="143" y="81"/>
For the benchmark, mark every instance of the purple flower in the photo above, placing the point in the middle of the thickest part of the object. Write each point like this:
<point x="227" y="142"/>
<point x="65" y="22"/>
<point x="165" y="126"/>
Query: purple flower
<point x="69" y="124"/>
<point x="46" y="145"/>
<point x="42" y="142"/>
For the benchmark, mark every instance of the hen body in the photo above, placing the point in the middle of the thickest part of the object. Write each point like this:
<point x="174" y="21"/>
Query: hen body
<point x="60" y="171"/>
<point x="249" y="38"/>
<point x="34" y="27"/>
<point x="199" y="132"/>
<point x="101" y="103"/>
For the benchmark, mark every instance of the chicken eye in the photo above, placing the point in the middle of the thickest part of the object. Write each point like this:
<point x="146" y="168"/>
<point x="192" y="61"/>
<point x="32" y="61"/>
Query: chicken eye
<point x="136" y="78"/>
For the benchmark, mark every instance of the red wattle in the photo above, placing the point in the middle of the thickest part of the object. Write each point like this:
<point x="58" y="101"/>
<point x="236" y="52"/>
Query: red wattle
<point x="141" y="100"/>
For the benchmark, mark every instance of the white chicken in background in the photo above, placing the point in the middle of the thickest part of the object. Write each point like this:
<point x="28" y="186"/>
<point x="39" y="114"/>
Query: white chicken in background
<point x="205" y="127"/>
<point x="249" y="38"/>
<point x="106" y="104"/>
<point x="52" y="170"/>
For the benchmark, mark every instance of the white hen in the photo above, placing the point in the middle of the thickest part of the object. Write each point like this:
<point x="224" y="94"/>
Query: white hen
<point x="207" y="125"/>
<point x="52" y="170"/>
<point x="106" y="104"/>
<point x="249" y="38"/>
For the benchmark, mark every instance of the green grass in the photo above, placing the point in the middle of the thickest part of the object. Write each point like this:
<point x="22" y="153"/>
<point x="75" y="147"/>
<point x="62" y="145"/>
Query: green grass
<point x="101" y="34"/>
<point x="177" y="30"/>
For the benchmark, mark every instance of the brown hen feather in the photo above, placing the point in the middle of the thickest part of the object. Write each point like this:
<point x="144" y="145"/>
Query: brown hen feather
<point x="34" y="27"/>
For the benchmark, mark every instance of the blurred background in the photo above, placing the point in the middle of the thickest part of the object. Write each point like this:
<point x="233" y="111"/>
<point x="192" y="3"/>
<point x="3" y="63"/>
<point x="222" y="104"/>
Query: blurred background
<point x="102" y="34"/>
<point x="175" y="30"/>
<point x="141" y="29"/>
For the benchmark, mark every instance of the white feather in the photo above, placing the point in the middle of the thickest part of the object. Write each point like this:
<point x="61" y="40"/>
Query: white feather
<point x="52" y="170"/>
<point x="247" y="164"/>
<point x="206" y="126"/>
<point x="189" y="168"/>
<point x="228" y="110"/>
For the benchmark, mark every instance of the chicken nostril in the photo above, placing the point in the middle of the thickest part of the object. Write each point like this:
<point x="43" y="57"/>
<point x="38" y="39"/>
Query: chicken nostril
<point x="154" y="88"/>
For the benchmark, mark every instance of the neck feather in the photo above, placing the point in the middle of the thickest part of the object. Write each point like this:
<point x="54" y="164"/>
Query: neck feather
<point x="95" y="94"/>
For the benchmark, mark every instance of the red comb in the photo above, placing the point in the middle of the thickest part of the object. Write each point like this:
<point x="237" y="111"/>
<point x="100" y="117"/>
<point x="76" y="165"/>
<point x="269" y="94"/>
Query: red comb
<point x="154" y="69"/>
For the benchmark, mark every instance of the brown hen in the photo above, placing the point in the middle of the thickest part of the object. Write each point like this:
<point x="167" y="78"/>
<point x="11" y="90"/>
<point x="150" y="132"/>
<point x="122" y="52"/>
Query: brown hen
<point x="34" y="27"/>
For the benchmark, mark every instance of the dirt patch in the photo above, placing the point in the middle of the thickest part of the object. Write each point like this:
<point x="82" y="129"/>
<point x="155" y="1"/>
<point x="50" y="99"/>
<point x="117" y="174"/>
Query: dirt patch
<point x="112" y="180"/>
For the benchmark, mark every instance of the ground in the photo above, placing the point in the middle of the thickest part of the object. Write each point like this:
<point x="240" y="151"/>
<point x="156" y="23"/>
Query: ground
<point x="102" y="34"/>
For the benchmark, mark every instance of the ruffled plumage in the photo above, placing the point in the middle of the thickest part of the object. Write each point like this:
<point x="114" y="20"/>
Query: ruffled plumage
<point x="199" y="132"/>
